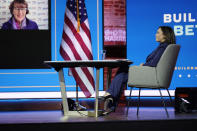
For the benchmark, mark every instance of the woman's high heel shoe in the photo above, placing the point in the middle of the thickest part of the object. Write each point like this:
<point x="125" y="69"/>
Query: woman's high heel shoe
<point x="103" y="98"/>
<point x="108" y="106"/>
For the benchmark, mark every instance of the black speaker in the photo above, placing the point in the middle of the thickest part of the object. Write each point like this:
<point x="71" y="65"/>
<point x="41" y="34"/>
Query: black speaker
<point x="185" y="99"/>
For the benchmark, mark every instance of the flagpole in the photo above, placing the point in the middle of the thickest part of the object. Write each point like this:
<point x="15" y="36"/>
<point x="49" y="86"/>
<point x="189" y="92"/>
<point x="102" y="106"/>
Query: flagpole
<point x="97" y="69"/>
<point x="55" y="35"/>
<point x="98" y="29"/>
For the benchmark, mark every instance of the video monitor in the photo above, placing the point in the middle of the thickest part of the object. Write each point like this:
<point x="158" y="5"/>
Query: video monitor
<point x="25" y="34"/>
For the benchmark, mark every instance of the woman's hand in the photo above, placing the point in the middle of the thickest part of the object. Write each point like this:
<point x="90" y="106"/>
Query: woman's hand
<point x="141" y="64"/>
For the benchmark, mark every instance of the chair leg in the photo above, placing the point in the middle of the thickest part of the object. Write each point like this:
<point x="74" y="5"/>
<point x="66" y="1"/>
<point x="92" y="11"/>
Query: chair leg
<point x="163" y="102"/>
<point x="169" y="95"/>
<point x="128" y="103"/>
<point x="138" y="102"/>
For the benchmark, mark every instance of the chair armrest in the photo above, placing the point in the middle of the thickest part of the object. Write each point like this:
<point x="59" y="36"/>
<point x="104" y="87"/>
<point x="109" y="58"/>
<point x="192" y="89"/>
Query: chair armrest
<point x="142" y="76"/>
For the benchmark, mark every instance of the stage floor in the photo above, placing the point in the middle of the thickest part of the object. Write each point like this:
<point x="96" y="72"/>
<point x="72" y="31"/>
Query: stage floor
<point x="46" y="116"/>
<point x="42" y="115"/>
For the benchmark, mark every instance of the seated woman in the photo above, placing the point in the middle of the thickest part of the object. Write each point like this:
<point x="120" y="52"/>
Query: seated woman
<point x="165" y="36"/>
<point x="19" y="10"/>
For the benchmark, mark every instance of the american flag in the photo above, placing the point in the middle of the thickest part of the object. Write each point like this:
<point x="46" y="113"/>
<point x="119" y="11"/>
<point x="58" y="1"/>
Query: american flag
<point x="76" y="44"/>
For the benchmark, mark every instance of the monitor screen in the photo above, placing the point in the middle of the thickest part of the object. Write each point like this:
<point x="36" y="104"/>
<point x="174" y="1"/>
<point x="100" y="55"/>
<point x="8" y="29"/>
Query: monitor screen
<point x="25" y="31"/>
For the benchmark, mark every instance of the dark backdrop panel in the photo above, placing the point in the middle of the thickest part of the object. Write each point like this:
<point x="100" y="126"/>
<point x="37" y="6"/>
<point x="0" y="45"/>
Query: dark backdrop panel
<point x="24" y="49"/>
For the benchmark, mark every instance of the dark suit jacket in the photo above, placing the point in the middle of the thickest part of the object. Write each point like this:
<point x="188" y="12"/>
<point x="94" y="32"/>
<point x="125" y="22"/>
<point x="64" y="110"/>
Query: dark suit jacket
<point x="154" y="57"/>
<point x="151" y="60"/>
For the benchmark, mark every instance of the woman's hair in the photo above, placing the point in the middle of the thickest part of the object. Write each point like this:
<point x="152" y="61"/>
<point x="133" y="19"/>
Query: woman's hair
<point x="169" y="34"/>
<point x="11" y="7"/>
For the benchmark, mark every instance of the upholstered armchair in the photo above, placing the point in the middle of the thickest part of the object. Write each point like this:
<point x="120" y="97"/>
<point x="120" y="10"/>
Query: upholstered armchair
<point x="158" y="77"/>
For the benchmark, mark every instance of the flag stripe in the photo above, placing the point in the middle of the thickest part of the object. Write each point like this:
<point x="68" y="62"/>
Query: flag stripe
<point x="74" y="22"/>
<point x="75" y="53"/>
<point x="83" y="87"/>
<point x="85" y="70"/>
<point x="83" y="75"/>
<point x="64" y="54"/>
<point x="86" y="30"/>
<point x="70" y="44"/>
<point x="68" y="51"/>
<point x="84" y="79"/>
<point x="75" y="42"/>
<point x="79" y="39"/>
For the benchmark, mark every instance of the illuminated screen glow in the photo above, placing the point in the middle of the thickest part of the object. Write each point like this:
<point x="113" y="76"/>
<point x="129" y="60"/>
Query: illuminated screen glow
<point x="144" y="18"/>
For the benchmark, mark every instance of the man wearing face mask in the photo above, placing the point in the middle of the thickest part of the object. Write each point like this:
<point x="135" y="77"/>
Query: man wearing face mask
<point x="19" y="10"/>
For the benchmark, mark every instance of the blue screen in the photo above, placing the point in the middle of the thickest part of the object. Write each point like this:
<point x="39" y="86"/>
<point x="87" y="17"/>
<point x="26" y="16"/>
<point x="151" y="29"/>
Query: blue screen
<point x="19" y="80"/>
<point x="144" y="18"/>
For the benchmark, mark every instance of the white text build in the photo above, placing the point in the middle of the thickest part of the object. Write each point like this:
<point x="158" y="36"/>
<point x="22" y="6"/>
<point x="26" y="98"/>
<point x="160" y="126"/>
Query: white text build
<point x="185" y="23"/>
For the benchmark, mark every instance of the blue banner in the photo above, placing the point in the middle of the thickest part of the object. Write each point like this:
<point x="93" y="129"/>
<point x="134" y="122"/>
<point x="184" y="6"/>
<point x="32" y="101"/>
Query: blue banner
<point x="144" y="18"/>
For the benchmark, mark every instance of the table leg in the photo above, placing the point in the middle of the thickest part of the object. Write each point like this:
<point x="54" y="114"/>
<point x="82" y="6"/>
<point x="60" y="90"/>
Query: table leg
<point x="97" y="92"/>
<point x="63" y="92"/>
<point x="109" y="71"/>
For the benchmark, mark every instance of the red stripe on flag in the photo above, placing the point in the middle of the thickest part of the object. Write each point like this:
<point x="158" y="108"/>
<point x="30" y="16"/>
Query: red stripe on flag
<point x="64" y="54"/>
<point x="71" y="45"/>
<point x="77" y="57"/>
<point x="87" y="73"/>
<point x="78" y="37"/>
<point x="81" y="84"/>
<point x="86" y="30"/>
<point x="85" y="70"/>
